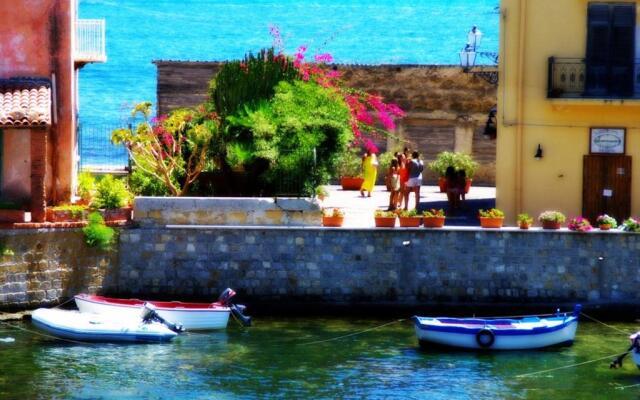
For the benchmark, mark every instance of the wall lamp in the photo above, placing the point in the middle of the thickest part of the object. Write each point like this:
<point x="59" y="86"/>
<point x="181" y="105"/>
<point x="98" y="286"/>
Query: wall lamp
<point x="538" y="155"/>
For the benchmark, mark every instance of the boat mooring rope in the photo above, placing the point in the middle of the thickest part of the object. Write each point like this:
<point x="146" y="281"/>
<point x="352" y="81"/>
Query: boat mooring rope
<point x="352" y="334"/>
<point x="569" y="366"/>
<point x="608" y="326"/>
<point x="43" y="334"/>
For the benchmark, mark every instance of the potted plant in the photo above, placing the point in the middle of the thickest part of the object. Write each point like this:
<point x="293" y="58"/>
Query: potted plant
<point x="631" y="225"/>
<point x="333" y="217"/>
<point x="322" y="192"/>
<point x="459" y="162"/>
<point x="385" y="219"/>
<point x="551" y="219"/>
<point x="67" y="213"/>
<point x="606" y="222"/>
<point x="409" y="218"/>
<point x="433" y="218"/>
<point x="491" y="218"/>
<point x="11" y="212"/>
<point x="113" y="199"/>
<point x="524" y="221"/>
<point x="86" y="188"/>
<point x="579" y="224"/>
<point x="350" y="170"/>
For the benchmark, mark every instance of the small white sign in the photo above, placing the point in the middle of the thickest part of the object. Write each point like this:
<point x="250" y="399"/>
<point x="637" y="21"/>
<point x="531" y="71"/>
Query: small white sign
<point x="620" y="171"/>
<point x="607" y="193"/>
<point x="607" y="141"/>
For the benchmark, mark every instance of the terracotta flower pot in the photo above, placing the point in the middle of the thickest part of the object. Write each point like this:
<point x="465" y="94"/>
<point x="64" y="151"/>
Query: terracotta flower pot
<point x="605" y="227"/>
<point x="331" y="221"/>
<point x="117" y="214"/>
<point x="522" y="225"/>
<point x="410" y="222"/>
<point x="552" y="225"/>
<point x="351" y="183"/>
<point x="442" y="183"/>
<point x="11" y="215"/>
<point x="492" y="223"/>
<point x="65" y="215"/>
<point x="433" y="222"/>
<point x="467" y="185"/>
<point x="385" y="222"/>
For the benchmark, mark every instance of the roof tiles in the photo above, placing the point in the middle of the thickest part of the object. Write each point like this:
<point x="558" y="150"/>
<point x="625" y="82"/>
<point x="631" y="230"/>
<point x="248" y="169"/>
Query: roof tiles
<point x="21" y="108"/>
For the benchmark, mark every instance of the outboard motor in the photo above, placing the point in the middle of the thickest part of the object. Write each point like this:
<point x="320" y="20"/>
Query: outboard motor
<point x="149" y="315"/>
<point x="236" y="309"/>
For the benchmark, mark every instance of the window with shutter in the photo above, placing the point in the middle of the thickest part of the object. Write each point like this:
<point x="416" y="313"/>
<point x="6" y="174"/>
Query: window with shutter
<point x="610" y="49"/>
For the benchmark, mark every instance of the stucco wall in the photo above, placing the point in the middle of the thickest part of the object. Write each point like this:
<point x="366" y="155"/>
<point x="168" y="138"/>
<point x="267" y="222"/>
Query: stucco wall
<point x="435" y="98"/>
<point x="15" y="183"/>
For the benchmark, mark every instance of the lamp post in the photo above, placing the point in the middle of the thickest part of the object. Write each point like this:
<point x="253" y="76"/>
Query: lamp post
<point x="469" y="54"/>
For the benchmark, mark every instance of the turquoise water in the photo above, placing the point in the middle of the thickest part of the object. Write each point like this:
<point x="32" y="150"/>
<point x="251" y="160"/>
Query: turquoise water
<point x="361" y="31"/>
<point x="274" y="360"/>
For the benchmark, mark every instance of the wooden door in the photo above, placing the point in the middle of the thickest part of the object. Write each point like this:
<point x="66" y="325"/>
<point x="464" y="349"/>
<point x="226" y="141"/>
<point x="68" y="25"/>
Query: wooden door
<point x="606" y="187"/>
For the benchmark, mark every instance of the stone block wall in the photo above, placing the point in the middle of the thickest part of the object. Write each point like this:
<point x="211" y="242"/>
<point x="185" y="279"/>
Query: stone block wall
<point x="160" y="211"/>
<point x="408" y="267"/>
<point x="49" y="265"/>
<point x="439" y="101"/>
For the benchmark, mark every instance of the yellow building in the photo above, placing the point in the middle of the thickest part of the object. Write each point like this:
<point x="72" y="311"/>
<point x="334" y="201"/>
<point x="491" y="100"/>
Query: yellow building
<point x="569" y="108"/>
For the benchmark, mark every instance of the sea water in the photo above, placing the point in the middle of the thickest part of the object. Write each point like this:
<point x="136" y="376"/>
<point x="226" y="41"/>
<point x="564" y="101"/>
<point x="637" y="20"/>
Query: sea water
<point x="354" y="32"/>
<point x="298" y="359"/>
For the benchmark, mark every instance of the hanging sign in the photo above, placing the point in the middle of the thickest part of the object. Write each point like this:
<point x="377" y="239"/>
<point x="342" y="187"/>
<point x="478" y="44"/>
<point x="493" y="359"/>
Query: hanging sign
<point x="607" y="141"/>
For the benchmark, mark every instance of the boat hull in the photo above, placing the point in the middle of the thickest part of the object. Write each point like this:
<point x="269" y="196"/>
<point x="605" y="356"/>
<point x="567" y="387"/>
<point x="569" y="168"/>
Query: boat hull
<point x="73" y="325"/>
<point x="204" y="318"/>
<point x="517" y="338"/>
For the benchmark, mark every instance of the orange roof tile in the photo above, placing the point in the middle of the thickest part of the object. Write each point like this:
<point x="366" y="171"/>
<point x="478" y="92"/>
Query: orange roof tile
<point x="25" y="107"/>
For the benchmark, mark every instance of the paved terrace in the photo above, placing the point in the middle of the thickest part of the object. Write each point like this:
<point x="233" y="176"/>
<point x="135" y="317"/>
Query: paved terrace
<point x="359" y="210"/>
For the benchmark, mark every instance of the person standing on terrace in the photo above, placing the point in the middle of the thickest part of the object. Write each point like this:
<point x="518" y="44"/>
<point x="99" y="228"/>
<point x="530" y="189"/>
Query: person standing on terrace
<point x="370" y="172"/>
<point x="415" y="178"/>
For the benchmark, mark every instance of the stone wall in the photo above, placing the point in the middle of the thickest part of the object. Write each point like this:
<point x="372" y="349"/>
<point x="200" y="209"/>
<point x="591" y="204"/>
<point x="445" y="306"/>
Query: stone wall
<point x="48" y="265"/>
<point x="160" y="211"/>
<point x="380" y="266"/>
<point x="283" y="265"/>
<point x="446" y="108"/>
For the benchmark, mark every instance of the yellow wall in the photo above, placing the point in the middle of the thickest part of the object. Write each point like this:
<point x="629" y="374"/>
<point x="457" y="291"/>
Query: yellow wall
<point x="531" y="32"/>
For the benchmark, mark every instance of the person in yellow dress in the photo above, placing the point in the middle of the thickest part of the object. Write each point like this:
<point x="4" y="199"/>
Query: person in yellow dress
<point x="370" y="170"/>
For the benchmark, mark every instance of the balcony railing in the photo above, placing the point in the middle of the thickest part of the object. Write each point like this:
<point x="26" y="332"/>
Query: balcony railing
<point x="90" y="41"/>
<point x="574" y="78"/>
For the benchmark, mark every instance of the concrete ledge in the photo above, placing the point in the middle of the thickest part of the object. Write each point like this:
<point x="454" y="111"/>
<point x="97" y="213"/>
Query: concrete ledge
<point x="161" y="211"/>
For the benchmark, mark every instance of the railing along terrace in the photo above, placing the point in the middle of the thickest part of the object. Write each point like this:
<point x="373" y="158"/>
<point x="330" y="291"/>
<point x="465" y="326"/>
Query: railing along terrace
<point x="577" y="78"/>
<point x="90" y="45"/>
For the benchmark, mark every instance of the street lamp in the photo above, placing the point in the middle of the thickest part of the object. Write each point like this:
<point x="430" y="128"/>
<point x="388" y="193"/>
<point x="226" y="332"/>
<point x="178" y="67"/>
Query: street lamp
<point x="470" y="53"/>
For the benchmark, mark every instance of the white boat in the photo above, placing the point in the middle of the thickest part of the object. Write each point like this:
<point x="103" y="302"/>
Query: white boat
<point x="634" y="349"/>
<point x="74" y="325"/>
<point x="498" y="334"/>
<point x="192" y="316"/>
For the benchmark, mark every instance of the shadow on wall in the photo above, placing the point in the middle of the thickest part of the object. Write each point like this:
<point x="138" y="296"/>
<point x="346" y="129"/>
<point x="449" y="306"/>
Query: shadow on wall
<point x="467" y="215"/>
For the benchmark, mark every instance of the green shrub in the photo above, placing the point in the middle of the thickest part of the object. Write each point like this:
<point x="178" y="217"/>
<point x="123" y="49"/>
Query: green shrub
<point x="74" y="209"/>
<point x="97" y="234"/>
<point x="349" y="163"/>
<point x="111" y="193"/>
<point x="459" y="161"/>
<point x="86" y="186"/>
<point x="144" y="184"/>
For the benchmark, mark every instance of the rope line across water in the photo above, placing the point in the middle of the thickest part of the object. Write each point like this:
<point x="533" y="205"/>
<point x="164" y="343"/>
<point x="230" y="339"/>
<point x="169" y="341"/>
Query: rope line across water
<point x="352" y="334"/>
<point x="569" y="366"/>
<point x="604" y="324"/>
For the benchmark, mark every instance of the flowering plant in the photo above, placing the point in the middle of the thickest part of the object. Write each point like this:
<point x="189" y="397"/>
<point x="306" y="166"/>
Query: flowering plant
<point x="322" y="192"/>
<point x="433" y="213"/>
<point x="524" y="219"/>
<point x="408" y="213"/>
<point x="607" y="220"/>
<point x="491" y="213"/>
<point x="332" y="213"/>
<point x="384" y="214"/>
<point x="631" y="225"/>
<point x="579" y="224"/>
<point x="552" y="216"/>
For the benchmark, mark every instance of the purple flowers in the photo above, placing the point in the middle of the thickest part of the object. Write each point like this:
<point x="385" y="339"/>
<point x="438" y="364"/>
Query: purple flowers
<point x="579" y="224"/>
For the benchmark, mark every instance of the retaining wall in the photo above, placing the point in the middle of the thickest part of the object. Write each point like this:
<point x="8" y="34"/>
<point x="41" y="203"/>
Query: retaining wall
<point x="271" y="265"/>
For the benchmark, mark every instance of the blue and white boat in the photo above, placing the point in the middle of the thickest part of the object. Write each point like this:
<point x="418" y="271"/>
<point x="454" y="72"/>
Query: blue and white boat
<point x="81" y="327"/>
<point x="532" y="332"/>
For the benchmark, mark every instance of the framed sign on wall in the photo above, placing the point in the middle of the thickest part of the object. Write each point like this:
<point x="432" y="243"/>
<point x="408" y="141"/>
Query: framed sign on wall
<point x="607" y="141"/>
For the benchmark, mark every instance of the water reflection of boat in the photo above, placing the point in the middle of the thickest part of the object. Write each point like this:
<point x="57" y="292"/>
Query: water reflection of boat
<point x="532" y="332"/>
<point x="76" y="326"/>
<point x="192" y="316"/>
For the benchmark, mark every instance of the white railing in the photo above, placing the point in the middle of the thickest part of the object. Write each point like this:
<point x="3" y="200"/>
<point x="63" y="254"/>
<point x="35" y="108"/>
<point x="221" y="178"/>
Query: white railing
<point x="90" y="40"/>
